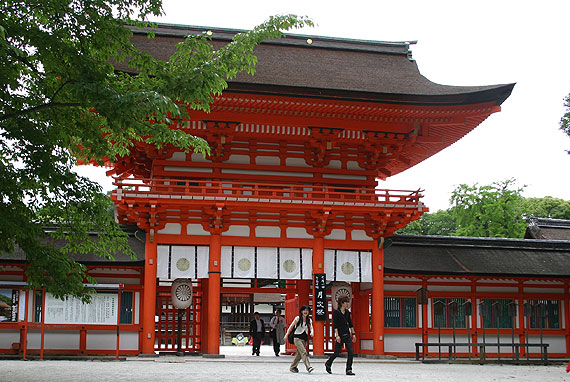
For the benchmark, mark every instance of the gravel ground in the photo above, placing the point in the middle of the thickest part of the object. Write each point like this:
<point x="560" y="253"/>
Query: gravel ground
<point x="240" y="366"/>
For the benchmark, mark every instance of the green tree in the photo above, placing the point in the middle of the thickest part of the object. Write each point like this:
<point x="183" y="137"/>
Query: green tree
<point x="547" y="207"/>
<point x="440" y="223"/>
<point x="493" y="210"/>
<point x="62" y="101"/>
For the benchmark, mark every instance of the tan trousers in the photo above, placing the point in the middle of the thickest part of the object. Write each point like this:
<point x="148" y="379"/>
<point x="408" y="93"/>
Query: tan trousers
<point x="301" y="354"/>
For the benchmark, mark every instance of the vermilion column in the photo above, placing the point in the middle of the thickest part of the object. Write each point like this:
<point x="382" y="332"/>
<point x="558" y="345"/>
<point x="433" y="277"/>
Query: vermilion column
<point x="303" y="290"/>
<point x="213" y="317"/>
<point x="378" y="300"/>
<point x="318" y="267"/>
<point x="149" y="296"/>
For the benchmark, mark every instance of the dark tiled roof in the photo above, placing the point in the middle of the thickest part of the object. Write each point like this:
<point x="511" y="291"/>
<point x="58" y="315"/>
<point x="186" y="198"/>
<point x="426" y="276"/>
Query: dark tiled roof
<point x="548" y="229"/>
<point x="477" y="256"/>
<point x="88" y="258"/>
<point x="331" y="68"/>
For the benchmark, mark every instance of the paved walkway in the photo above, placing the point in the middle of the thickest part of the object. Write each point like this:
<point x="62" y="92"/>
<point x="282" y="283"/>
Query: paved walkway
<point x="239" y="365"/>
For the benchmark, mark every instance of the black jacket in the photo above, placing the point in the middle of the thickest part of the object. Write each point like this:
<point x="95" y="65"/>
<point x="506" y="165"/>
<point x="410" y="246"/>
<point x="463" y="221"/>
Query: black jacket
<point x="253" y="327"/>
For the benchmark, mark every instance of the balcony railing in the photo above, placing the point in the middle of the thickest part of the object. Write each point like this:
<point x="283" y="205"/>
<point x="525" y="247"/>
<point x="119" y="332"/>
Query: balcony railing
<point x="262" y="192"/>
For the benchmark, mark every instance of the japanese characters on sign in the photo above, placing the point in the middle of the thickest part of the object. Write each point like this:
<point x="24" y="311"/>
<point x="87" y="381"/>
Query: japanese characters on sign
<point x="320" y="290"/>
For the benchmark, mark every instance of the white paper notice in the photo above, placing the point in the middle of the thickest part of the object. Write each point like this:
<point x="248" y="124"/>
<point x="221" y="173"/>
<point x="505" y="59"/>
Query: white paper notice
<point x="103" y="309"/>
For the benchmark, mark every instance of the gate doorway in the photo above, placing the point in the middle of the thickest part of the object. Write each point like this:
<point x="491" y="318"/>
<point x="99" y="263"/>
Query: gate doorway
<point x="166" y="319"/>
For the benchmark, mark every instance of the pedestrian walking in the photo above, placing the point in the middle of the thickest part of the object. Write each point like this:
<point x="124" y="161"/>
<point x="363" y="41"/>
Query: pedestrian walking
<point x="257" y="332"/>
<point x="277" y="325"/>
<point x="344" y="334"/>
<point x="302" y="328"/>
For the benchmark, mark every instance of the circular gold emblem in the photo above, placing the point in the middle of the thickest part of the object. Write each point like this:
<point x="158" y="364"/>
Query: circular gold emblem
<point x="244" y="264"/>
<point x="347" y="268"/>
<point x="182" y="264"/>
<point x="289" y="266"/>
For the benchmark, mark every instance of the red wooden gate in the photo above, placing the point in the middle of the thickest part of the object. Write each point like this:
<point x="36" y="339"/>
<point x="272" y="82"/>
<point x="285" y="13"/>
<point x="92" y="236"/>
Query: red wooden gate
<point x="166" y="333"/>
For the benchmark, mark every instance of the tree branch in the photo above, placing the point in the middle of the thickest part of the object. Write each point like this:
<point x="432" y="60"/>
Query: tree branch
<point x="38" y="108"/>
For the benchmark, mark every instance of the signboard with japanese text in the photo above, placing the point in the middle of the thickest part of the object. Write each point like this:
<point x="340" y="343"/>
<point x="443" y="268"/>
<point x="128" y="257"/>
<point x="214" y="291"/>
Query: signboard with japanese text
<point x="320" y="290"/>
<point x="103" y="309"/>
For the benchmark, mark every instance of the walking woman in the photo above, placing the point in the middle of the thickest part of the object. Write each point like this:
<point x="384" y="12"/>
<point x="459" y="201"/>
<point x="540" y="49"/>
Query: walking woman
<point x="302" y="328"/>
<point x="344" y="334"/>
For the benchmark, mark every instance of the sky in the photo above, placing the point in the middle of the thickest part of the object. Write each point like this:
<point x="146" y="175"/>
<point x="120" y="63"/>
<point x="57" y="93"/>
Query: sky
<point x="458" y="43"/>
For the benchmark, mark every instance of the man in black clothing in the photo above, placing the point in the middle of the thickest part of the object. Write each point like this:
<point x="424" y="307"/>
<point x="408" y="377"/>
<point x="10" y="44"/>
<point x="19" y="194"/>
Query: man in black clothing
<point x="344" y="334"/>
<point x="257" y="332"/>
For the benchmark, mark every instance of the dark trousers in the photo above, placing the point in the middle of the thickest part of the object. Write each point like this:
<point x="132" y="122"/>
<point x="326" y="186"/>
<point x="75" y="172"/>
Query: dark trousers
<point x="347" y="341"/>
<point x="256" y="342"/>
<point x="276" y="346"/>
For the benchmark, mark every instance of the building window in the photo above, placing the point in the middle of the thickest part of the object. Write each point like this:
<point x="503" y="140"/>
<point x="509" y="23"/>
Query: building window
<point x="545" y="314"/>
<point x="9" y="305"/>
<point x="443" y="309"/>
<point x="126" y="307"/>
<point x="38" y="303"/>
<point x="400" y="312"/>
<point x="498" y="311"/>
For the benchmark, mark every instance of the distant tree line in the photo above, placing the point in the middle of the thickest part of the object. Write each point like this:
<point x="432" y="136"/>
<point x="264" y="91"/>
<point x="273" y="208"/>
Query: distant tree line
<point x="494" y="210"/>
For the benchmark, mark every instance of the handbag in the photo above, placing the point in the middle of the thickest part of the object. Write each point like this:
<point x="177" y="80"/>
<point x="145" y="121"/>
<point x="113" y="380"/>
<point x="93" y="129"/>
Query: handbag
<point x="291" y="337"/>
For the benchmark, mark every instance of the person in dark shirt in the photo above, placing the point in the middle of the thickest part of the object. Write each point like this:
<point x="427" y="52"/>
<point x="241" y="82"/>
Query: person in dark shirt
<point x="257" y="332"/>
<point x="344" y="334"/>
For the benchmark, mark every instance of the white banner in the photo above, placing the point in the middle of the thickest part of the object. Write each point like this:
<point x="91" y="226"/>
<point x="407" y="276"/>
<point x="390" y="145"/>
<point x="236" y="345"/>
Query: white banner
<point x="103" y="309"/>
<point x="267" y="263"/>
<point x="349" y="266"/>
<point x="182" y="261"/>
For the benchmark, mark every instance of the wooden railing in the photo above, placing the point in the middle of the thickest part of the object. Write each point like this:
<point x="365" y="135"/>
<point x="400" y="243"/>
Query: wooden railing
<point x="243" y="191"/>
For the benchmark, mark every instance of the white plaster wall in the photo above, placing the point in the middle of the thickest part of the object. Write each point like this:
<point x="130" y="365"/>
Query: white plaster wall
<point x="446" y="280"/>
<point x="556" y="344"/>
<point x="402" y="288"/>
<point x="268" y="160"/>
<point x="401" y="342"/>
<point x="128" y="341"/>
<point x="264" y="231"/>
<point x="101" y="340"/>
<point x="237" y="230"/>
<point x="494" y="289"/>
<point x="297" y="233"/>
<point x="367" y="344"/>
<point x="334" y="164"/>
<point x="337" y="234"/>
<point x="171" y="229"/>
<point x="240" y="159"/>
<point x="197" y="157"/>
<point x="359" y="235"/>
<point x="449" y="338"/>
<point x="137" y="307"/>
<point x="197" y="230"/>
<point x="267" y="173"/>
<point x="445" y="288"/>
<point x="8" y="337"/>
<point x="34" y="339"/>
<point x="178" y="156"/>
<point x="543" y="290"/>
<point x="61" y="339"/>
<point x="187" y="169"/>
<point x="296" y="162"/>
<point x="353" y="165"/>
<point x="344" y="176"/>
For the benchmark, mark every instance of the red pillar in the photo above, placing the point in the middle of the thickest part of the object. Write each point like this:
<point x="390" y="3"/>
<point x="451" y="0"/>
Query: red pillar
<point x="213" y="339"/>
<point x="318" y="267"/>
<point x="303" y="290"/>
<point x="149" y="296"/>
<point x="204" y="317"/>
<point x="567" y="316"/>
<point x="357" y="314"/>
<point x="291" y="309"/>
<point x="378" y="300"/>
